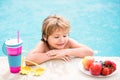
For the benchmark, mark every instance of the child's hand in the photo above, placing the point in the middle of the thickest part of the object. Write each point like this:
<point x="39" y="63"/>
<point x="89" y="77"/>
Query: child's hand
<point x="59" y="54"/>
<point x="66" y="58"/>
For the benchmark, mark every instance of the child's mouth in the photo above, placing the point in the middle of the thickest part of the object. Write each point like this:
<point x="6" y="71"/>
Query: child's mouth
<point x="60" y="44"/>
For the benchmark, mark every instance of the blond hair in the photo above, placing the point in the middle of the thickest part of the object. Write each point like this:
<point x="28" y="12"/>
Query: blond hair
<point x="53" y="23"/>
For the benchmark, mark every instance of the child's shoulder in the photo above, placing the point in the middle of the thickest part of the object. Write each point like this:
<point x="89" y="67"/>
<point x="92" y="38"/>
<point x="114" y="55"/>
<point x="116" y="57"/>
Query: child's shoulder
<point x="73" y="42"/>
<point x="42" y="46"/>
<point x="41" y="43"/>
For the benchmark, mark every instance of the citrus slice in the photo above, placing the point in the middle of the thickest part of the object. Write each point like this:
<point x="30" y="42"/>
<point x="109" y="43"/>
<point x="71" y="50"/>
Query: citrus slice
<point x="25" y="70"/>
<point x="38" y="71"/>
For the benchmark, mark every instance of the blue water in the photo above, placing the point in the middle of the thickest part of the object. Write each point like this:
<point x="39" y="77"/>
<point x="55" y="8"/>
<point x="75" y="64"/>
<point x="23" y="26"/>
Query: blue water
<point x="95" y="23"/>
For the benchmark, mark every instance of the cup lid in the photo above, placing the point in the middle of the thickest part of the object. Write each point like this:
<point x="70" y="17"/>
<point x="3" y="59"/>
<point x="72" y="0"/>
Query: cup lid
<point x="13" y="42"/>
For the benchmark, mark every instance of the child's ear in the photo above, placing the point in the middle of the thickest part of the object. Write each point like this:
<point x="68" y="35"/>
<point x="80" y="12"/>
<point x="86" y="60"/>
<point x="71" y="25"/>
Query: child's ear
<point x="44" y="38"/>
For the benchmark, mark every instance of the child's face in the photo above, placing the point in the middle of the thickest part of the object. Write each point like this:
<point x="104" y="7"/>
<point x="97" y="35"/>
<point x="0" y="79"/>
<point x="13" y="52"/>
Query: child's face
<point x="58" y="40"/>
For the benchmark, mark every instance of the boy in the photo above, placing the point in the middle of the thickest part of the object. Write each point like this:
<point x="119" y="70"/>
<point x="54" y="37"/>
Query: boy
<point x="55" y="43"/>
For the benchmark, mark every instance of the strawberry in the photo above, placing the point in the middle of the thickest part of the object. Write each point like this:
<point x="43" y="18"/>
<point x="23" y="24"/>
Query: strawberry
<point x="105" y="71"/>
<point x="110" y="70"/>
<point x="108" y="63"/>
<point x="111" y="65"/>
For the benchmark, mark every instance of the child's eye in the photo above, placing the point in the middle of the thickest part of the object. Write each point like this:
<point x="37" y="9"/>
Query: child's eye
<point x="56" y="37"/>
<point x="65" y="35"/>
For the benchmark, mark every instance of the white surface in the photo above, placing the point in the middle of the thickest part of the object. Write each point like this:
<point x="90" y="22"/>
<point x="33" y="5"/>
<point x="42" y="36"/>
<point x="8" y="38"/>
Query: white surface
<point x="57" y="70"/>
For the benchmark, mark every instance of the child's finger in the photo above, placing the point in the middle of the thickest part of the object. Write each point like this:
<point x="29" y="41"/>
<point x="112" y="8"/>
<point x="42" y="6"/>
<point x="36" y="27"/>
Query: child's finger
<point x="66" y="58"/>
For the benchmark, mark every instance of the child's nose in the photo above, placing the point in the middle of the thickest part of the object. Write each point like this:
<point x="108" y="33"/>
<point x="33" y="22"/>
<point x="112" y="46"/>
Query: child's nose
<point x="61" y="39"/>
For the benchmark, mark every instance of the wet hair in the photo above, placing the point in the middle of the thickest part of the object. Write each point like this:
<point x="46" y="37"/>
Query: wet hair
<point x="53" y="23"/>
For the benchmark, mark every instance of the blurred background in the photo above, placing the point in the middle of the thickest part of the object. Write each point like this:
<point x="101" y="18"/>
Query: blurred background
<point x="95" y="23"/>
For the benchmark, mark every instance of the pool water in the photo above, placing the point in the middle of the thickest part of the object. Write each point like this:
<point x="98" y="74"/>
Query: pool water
<point x="95" y="23"/>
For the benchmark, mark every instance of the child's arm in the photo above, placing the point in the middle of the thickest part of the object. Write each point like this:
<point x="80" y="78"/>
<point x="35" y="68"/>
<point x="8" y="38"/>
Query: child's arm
<point x="37" y="55"/>
<point x="42" y="57"/>
<point x="76" y="50"/>
<point x="66" y="53"/>
<point x="37" y="58"/>
<point x="79" y="52"/>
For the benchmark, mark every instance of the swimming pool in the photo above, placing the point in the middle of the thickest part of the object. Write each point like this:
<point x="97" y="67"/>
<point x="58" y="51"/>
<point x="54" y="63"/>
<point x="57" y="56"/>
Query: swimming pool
<point x="95" y="23"/>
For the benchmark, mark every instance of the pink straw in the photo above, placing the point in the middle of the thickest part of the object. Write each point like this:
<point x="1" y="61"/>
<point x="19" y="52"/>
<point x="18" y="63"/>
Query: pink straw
<point x="18" y="36"/>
